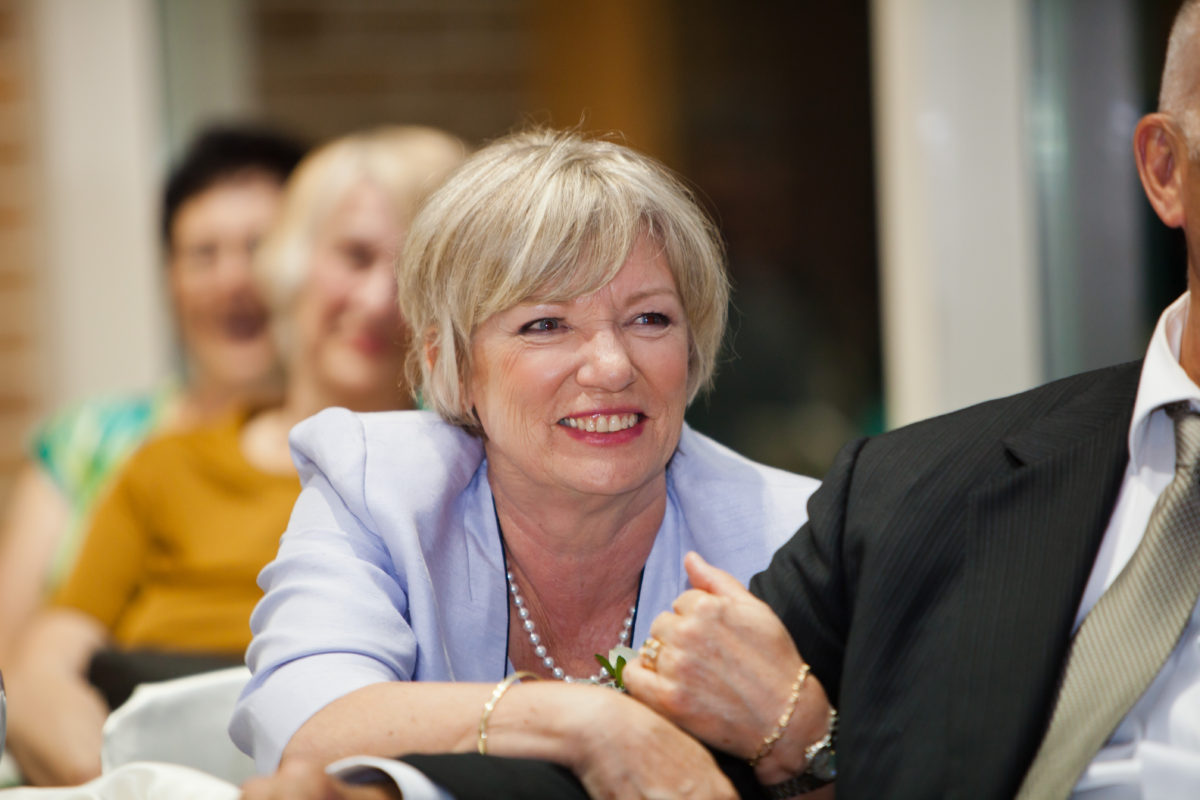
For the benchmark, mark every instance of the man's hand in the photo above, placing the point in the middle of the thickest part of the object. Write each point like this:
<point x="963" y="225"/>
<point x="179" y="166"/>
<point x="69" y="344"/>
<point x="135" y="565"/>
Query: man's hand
<point x="297" y="779"/>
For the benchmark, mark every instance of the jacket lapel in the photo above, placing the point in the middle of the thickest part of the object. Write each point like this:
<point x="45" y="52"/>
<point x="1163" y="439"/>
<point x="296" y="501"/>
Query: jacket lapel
<point x="1033" y="535"/>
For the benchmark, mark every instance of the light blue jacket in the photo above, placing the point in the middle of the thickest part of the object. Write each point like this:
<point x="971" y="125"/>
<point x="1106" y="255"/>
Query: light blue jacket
<point x="391" y="566"/>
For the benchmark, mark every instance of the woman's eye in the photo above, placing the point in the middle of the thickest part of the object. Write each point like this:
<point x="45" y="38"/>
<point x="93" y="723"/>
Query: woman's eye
<point x="543" y="325"/>
<point x="199" y="257"/>
<point x="652" y="318"/>
<point x="358" y="256"/>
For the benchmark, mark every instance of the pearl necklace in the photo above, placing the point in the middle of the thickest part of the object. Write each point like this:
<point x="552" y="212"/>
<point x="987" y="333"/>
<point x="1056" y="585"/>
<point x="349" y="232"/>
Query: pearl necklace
<point x="540" y="649"/>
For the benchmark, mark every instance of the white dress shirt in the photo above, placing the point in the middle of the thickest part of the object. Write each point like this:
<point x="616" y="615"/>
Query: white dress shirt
<point x="1155" y="751"/>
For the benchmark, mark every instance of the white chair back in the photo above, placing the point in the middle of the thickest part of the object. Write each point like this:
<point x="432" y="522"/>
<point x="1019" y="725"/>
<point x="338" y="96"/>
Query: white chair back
<point x="181" y="721"/>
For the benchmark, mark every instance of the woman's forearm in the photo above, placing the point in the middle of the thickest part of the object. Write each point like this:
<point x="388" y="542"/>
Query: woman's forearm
<point x="614" y="744"/>
<point x="55" y="716"/>
<point x="34" y="522"/>
<point x="533" y="719"/>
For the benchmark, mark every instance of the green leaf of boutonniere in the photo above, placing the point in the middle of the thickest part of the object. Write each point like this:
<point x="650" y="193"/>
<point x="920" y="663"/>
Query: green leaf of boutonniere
<point x="614" y="665"/>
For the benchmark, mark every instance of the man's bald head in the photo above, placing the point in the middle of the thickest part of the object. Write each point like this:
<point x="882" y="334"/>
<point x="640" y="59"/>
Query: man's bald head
<point x="1179" y="93"/>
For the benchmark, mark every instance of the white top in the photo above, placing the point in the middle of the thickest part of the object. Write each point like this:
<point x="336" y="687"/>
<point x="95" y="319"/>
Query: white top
<point x="391" y="567"/>
<point x="1155" y="751"/>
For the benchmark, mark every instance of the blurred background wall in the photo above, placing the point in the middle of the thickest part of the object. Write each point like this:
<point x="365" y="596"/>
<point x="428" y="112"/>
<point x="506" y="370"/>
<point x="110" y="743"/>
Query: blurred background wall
<point x="21" y="392"/>
<point x="926" y="202"/>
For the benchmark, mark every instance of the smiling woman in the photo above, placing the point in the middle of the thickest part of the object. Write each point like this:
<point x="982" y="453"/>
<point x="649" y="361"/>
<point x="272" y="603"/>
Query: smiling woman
<point x="588" y="395"/>
<point x="567" y="297"/>
<point x="219" y="310"/>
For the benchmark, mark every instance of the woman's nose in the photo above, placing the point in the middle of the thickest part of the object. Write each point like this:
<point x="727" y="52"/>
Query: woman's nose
<point x="235" y="269"/>
<point x="376" y="294"/>
<point x="606" y="363"/>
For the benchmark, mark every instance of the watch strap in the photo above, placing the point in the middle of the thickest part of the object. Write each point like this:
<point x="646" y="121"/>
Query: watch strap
<point x="819" y="766"/>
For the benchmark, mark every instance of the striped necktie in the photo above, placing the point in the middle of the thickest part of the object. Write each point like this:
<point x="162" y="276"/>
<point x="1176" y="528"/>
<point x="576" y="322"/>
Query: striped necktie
<point x="1126" y="637"/>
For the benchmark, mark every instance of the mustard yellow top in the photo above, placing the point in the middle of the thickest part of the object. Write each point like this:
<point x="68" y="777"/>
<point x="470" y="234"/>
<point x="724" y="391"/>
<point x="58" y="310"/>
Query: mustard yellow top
<point x="171" y="559"/>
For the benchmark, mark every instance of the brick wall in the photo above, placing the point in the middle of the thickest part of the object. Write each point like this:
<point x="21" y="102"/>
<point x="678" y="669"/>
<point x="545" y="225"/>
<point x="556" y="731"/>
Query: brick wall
<point x="20" y="393"/>
<point x="324" y="67"/>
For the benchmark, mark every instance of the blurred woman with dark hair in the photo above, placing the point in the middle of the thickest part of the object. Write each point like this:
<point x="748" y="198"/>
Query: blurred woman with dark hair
<point x="218" y="203"/>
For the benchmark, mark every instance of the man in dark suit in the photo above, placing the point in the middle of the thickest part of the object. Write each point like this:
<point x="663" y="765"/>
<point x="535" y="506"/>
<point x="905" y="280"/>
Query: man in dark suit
<point x="933" y="592"/>
<point x="957" y="578"/>
<point x="979" y="593"/>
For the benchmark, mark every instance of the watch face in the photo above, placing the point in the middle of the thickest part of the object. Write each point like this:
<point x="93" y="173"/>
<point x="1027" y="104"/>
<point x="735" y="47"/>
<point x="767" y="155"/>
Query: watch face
<point x="824" y="765"/>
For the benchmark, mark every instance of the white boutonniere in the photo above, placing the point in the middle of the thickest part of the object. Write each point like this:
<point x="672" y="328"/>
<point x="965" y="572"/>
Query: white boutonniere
<point x="614" y="665"/>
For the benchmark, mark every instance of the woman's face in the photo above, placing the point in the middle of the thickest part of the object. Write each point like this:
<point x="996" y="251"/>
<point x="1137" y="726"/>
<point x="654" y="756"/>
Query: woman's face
<point x="349" y="338"/>
<point x="586" y="396"/>
<point x="221" y="316"/>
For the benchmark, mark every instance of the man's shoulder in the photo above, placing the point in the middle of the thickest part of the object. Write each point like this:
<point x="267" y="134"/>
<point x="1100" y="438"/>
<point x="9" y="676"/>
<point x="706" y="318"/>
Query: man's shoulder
<point x="967" y="446"/>
<point x="1105" y="392"/>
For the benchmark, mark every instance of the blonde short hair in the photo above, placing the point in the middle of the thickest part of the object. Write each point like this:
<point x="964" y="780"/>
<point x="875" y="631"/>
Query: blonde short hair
<point x="405" y="161"/>
<point x="550" y="216"/>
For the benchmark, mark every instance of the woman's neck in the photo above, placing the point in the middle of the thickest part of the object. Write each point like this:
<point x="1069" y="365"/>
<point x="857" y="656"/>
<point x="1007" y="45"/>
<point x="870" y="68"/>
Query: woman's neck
<point x="306" y="397"/>
<point x="581" y="552"/>
<point x="200" y="403"/>
<point x="205" y="396"/>
<point x="577" y="567"/>
<point x="265" y="436"/>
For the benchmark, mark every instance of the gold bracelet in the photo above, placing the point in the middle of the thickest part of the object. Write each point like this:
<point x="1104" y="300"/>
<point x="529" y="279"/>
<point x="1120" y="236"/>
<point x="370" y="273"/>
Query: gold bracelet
<point x="490" y="705"/>
<point x="771" y="738"/>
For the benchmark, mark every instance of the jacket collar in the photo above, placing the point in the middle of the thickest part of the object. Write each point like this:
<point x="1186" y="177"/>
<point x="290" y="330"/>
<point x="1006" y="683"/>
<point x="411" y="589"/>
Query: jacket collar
<point x="1034" y="534"/>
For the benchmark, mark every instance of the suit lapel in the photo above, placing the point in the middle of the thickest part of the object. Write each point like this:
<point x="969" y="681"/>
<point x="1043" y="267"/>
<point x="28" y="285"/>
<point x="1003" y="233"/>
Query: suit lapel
<point x="1032" y="535"/>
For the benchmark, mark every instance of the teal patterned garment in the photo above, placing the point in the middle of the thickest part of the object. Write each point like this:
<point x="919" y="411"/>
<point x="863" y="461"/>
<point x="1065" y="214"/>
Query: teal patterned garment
<point x="81" y="448"/>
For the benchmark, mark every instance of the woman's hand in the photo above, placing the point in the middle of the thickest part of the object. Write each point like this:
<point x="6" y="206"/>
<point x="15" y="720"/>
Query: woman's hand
<point x="634" y="752"/>
<point x="297" y="779"/>
<point x="617" y="747"/>
<point x="724" y="673"/>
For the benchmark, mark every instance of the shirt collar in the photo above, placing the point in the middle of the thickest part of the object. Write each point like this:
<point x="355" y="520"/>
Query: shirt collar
<point x="1163" y="380"/>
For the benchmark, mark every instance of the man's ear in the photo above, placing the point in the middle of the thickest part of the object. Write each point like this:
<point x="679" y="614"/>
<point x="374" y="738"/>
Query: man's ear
<point x="1161" y="152"/>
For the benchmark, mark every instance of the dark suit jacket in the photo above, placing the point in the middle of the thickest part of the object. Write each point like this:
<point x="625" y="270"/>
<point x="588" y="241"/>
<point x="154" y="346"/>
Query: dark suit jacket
<point x="934" y="588"/>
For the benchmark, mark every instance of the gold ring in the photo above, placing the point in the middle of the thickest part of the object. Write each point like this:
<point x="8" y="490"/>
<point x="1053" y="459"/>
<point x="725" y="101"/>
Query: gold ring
<point x="649" y="653"/>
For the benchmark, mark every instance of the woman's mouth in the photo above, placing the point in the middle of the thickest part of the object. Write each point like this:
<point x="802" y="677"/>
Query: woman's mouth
<point x="370" y="344"/>
<point x="245" y="324"/>
<point x="601" y="423"/>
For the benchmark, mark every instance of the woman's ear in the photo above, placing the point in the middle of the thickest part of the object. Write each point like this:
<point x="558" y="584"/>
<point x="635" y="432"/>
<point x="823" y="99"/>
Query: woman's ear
<point x="1161" y="152"/>
<point x="431" y="351"/>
